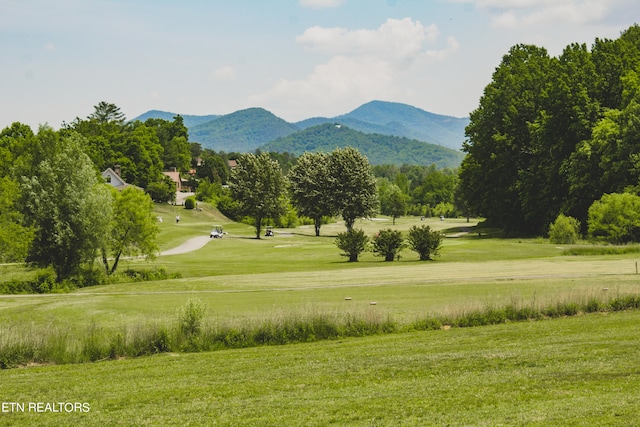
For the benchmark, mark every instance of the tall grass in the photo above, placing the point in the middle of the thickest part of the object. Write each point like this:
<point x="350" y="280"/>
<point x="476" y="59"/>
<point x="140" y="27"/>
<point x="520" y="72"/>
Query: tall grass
<point x="25" y="344"/>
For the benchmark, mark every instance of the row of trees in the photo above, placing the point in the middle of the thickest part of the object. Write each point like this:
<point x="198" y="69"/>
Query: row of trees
<point x="553" y="134"/>
<point x="388" y="243"/>
<point x="320" y="184"/>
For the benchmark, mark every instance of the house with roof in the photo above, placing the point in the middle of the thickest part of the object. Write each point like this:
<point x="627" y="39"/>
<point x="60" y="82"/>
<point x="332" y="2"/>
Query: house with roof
<point x="181" y="183"/>
<point x="113" y="178"/>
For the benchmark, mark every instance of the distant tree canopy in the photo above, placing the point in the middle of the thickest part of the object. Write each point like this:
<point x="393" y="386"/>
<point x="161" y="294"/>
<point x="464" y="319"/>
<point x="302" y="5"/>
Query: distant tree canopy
<point x="142" y="150"/>
<point x="553" y="134"/>
<point x="422" y="189"/>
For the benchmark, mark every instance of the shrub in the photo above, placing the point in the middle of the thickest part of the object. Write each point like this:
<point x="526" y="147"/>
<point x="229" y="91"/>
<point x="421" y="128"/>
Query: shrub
<point x="565" y="230"/>
<point x="388" y="243"/>
<point x="352" y="242"/>
<point x="190" y="203"/>
<point x="424" y="241"/>
<point x="615" y="218"/>
<point x="190" y="317"/>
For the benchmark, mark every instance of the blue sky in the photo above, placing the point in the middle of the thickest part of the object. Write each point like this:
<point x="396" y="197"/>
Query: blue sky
<point x="296" y="58"/>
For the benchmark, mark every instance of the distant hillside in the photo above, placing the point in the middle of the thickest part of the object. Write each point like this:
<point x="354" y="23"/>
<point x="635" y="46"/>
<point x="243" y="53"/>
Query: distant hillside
<point x="242" y="131"/>
<point x="392" y="118"/>
<point x="246" y="130"/>
<point x="189" y="120"/>
<point x="379" y="149"/>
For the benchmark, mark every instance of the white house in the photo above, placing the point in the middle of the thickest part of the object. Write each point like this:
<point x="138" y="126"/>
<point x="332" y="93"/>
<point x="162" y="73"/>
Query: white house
<point x="113" y="178"/>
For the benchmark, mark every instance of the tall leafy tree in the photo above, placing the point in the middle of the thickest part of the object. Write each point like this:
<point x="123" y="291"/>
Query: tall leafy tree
<point x="133" y="228"/>
<point x="259" y="187"/>
<point x="353" y="186"/>
<point x="393" y="202"/>
<point x="106" y="112"/>
<point x="15" y="238"/>
<point x="174" y="138"/>
<point x="109" y="141"/>
<point x="67" y="204"/>
<point x="500" y="142"/>
<point x="310" y="186"/>
<point x="213" y="167"/>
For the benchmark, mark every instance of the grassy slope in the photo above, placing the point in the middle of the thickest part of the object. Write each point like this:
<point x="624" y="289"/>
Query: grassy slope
<point x="573" y="371"/>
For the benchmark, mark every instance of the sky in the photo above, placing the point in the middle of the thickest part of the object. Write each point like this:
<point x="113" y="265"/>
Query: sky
<point x="295" y="58"/>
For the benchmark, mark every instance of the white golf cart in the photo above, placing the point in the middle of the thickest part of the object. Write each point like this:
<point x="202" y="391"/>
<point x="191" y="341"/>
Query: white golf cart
<point x="216" y="232"/>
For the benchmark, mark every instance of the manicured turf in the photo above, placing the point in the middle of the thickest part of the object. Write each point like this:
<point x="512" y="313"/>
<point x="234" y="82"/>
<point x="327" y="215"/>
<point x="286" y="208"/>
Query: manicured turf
<point x="574" y="371"/>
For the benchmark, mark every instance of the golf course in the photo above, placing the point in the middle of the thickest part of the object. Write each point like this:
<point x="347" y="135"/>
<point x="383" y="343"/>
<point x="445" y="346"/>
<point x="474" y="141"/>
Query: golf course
<point x="311" y="339"/>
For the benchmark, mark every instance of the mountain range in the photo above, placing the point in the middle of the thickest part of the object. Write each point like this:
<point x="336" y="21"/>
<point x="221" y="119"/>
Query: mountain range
<point x="387" y="132"/>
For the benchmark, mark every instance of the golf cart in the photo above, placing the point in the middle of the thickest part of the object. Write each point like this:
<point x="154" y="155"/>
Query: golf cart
<point x="216" y="232"/>
<point x="269" y="232"/>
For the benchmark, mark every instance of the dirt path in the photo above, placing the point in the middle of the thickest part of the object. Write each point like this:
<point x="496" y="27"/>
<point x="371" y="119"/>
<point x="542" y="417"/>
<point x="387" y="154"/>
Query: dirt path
<point x="190" y="245"/>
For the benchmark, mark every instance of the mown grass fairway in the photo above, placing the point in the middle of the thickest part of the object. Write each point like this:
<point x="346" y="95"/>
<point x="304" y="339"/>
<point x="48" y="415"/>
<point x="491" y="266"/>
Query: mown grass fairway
<point x="573" y="371"/>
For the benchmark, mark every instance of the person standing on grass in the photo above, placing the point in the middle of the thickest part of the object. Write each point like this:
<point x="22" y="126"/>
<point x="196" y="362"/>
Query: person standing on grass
<point x="177" y="219"/>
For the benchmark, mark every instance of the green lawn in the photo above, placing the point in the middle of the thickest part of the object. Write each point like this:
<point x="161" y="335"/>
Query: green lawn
<point x="574" y="371"/>
<point x="571" y="371"/>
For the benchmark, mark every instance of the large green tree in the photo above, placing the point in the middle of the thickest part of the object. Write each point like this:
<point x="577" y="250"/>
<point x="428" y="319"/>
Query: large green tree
<point x="353" y="186"/>
<point x="551" y="135"/>
<point x="500" y="144"/>
<point x="135" y="147"/>
<point x="174" y="138"/>
<point x="259" y="187"/>
<point x="132" y="230"/>
<point x="15" y="238"/>
<point x="393" y="201"/>
<point x="67" y="205"/>
<point x="311" y="189"/>
<point x="106" y="112"/>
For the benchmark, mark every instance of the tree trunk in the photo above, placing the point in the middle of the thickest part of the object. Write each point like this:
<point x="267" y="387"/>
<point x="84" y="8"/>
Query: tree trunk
<point x="353" y="258"/>
<point x="115" y="263"/>
<point x="105" y="261"/>
<point x="348" y="222"/>
<point x="258" y="227"/>
<point x="389" y="257"/>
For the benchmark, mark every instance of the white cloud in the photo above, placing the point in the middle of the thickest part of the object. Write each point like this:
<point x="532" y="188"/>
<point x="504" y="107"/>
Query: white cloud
<point x="363" y="65"/>
<point x="395" y="38"/>
<point x="320" y="4"/>
<point x="515" y="14"/>
<point x="223" y="74"/>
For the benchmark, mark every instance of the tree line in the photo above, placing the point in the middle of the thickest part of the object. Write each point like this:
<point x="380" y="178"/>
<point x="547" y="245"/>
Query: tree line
<point x="56" y="210"/>
<point x="552" y="135"/>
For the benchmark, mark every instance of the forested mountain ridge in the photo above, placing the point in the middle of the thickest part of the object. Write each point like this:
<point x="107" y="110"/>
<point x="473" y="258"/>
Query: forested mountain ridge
<point x="188" y="120"/>
<point x="241" y="131"/>
<point x="248" y="129"/>
<point x="379" y="149"/>
<point x="392" y="118"/>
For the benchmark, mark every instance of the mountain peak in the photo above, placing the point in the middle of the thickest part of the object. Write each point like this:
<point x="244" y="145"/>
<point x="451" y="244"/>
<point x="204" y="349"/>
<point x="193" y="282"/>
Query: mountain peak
<point x="248" y="129"/>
